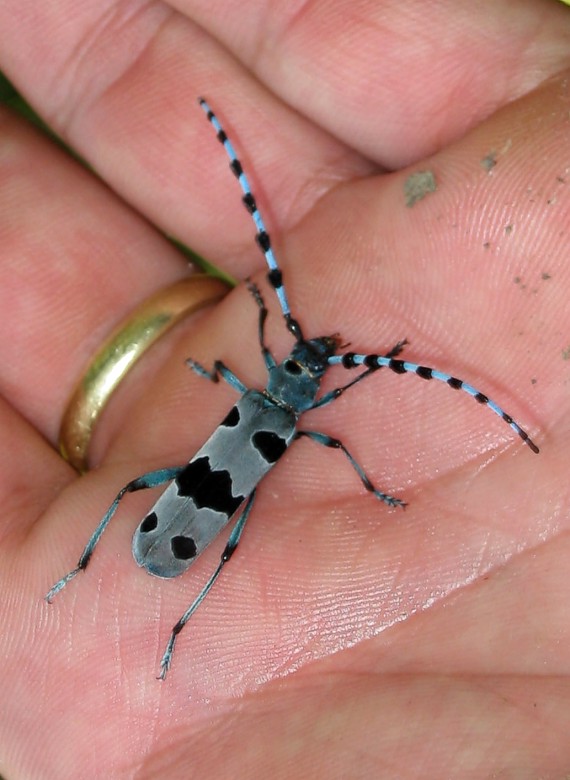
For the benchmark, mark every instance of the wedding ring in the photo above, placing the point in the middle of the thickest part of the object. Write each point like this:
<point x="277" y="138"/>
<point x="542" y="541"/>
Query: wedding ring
<point x="121" y="350"/>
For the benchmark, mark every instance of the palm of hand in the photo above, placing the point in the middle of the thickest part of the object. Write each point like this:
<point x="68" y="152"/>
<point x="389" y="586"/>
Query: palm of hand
<point x="369" y="642"/>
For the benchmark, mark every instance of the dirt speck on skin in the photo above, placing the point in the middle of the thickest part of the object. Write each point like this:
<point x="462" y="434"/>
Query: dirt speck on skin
<point x="489" y="161"/>
<point x="418" y="185"/>
<point x="544" y="276"/>
<point x="492" y="157"/>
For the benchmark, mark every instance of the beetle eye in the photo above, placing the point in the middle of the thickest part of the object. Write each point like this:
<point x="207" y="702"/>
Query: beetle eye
<point x="292" y="367"/>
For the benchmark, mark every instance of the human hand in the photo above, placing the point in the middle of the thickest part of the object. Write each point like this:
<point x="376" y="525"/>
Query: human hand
<point x="344" y="639"/>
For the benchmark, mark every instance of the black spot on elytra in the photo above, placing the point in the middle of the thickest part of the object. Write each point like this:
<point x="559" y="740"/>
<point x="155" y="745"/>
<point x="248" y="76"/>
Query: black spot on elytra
<point x="269" y="445"/>
<point x="207" y="488"/>
<point x="232" y="418"/>
<point x="183" y="547"/>
<point x="149" y="523"/>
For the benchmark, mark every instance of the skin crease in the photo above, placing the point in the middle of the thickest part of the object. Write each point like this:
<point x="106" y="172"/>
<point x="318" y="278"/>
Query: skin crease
<point x="345" y="639"/>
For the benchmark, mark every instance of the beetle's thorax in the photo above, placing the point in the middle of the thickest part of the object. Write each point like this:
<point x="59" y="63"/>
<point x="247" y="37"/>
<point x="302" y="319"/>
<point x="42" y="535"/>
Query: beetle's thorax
<point x="295" y="382"/>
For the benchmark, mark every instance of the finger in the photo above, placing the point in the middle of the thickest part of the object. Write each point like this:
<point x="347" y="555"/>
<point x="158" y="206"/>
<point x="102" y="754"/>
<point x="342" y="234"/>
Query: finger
<point x="403" y="81"/>
<point x="31" y="475"/>
<point x="130" y="109"/>
<point x="75" y="260"/>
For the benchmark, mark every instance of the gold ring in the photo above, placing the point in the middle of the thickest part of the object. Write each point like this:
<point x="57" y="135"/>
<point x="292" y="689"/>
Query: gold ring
<point x="119" y="353"/>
